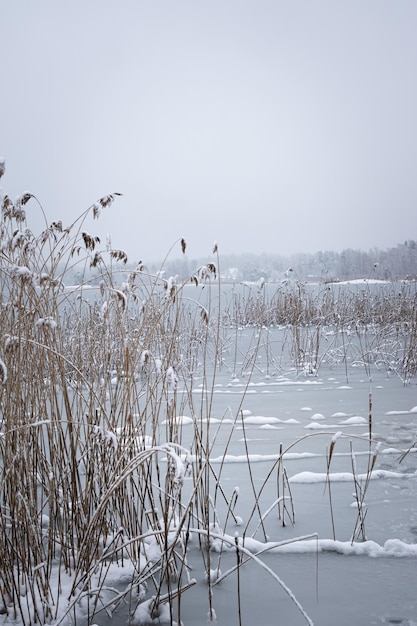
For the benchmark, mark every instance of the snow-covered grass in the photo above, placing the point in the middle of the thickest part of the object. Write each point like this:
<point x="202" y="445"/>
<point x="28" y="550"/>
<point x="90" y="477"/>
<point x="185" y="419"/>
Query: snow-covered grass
<point x="120" y="406"/>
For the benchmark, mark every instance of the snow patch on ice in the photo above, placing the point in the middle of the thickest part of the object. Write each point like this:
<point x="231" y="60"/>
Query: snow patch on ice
<point x="180" y="420"/>
<point x="321" y="477"/>
<point x="392" y="547"/>
<point x="361" y="281"/>
<point x="356" y="419"/>
<point x="258" y="458"/>
<point x="315" y="426"/>
<point x="149" y="613"/>
<point x="260" y="419"/>
<point x="318" y="416"/>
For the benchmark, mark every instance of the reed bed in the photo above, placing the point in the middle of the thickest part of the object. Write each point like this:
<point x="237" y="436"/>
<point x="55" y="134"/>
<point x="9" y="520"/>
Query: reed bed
<point x="333" y="325"/>
<point x="94" y="382"/>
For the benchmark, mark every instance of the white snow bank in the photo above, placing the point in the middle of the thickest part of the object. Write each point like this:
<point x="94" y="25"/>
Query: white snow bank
<point x="321" y="477"/>
<point x="318" y="416"/>
<point x="276" y="383"/>
<point x="257" y="458"/>
<point x="312" y="544"/>
<point x="315" y="426"/>
<point x="392" y="547"/>
<point x="260" y="419"/>
<point x="352" y="421"/>
<point x="356" y="419"/>
<point x="361" y="281"/>
<point x="147" y="613"/>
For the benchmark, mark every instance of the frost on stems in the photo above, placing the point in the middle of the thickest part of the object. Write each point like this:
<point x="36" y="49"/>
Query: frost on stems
<point x="171" y="377"/>
<point x="90" y="241"/>
<point x="24" y="199"/>
<point x="103" y="203"/>
<point x="119" y="255"/>
<point x="96" y="259"/>
<point x="11" y="342"/>
<point x="170" y="287"/>
<point x="120" y="298"/>
<point x="204" y="274"/>
<point x="46" y="322"/>
<point x="3" y="372"/>
<point x="57" y="226"/>
<point x="15" y="210"/>
<point x="107" y="438"/>
<point x="145" y="357"/>
<point x="178" y="469"/>
<point x="22" y="272"/>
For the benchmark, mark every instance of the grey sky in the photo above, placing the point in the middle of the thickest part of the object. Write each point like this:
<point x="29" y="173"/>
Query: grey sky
<point x="267" y="126"/>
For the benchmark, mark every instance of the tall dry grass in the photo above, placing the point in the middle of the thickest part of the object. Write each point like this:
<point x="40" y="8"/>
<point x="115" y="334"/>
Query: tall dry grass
<point x="92" y="460"/>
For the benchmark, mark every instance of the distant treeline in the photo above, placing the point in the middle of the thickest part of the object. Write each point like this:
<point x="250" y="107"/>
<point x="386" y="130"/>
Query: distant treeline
<point x="389" y="264"/>
<point x="393" y="263"/>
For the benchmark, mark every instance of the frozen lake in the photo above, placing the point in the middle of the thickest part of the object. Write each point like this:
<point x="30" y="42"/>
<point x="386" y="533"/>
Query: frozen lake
<point x="281" y="434"/>
<point x="370" y="581"/>
<point x="277" y="390"/>
<point x="302" y="413"/>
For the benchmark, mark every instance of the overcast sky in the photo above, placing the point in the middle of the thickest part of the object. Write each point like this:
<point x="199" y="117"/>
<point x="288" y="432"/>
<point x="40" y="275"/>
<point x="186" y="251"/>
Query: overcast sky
<point x="265" y="125"/>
